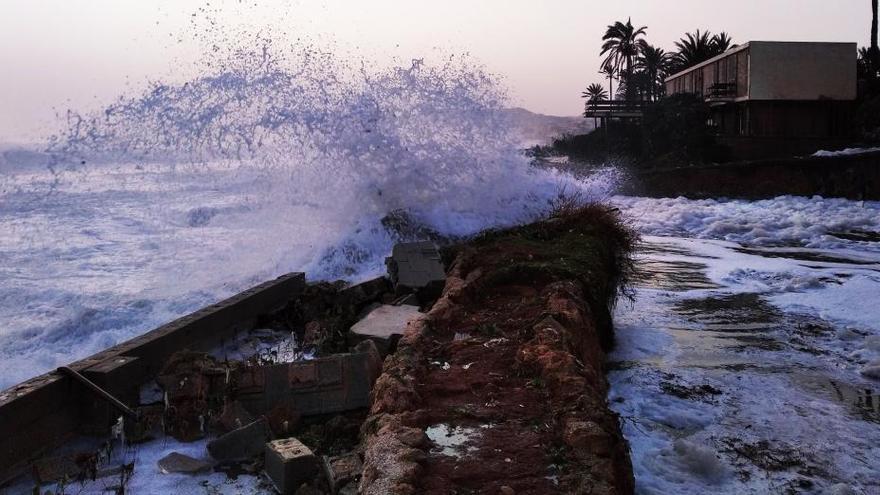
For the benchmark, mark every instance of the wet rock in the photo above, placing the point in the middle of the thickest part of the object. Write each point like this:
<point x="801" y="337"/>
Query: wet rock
<point x="289" y="464"/>
<point x="55" y="468"/>
<point x="242" y="443"/>
<point x="872" y="371"/>
<point x="384" y="326"/>
<point x="342" y="470"/>
<point x="180" y="463"/>
<point x="506" y="490"/>
<point x="587" y="437"/>
<point x="234" y="416"/>
<point x="417" y="267"/>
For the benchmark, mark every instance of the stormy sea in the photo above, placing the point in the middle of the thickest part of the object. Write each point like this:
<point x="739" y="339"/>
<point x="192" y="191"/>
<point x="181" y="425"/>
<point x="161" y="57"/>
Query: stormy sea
<point x="747" y="359"/>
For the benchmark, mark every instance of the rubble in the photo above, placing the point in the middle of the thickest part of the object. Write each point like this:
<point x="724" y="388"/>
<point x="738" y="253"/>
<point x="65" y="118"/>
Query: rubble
<point x="417" y="267"/>
<point x="180" y="463"/>
<point x="242" y="443"/>
<point x="342" y="471"/>
<point x="289" y="464"/>
<point x="384" y="325"/>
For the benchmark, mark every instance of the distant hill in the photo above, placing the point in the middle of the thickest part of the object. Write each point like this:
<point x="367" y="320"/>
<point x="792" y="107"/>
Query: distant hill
<point x="538" y="128"/>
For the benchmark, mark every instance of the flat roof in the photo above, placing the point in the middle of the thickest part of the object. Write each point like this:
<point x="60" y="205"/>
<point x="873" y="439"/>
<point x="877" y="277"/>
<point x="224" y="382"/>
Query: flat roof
<point x="739" y="48"/>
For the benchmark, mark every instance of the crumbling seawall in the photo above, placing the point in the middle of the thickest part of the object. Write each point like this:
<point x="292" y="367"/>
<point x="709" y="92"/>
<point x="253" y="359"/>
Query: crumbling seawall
<point x="38" y="415"/>
<point x="500" y="387"/>
<point x="847" y="176"/>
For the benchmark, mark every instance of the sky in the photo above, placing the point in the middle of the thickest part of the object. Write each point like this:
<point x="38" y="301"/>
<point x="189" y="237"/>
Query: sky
<point x="81" y="54"/>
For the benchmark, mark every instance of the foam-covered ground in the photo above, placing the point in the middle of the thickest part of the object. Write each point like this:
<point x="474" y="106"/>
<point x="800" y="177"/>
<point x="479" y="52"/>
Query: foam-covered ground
<point x="746" y="367"/>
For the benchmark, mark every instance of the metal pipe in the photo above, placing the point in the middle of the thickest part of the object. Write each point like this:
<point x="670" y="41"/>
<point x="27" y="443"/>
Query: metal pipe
<point x="118" y="404"/>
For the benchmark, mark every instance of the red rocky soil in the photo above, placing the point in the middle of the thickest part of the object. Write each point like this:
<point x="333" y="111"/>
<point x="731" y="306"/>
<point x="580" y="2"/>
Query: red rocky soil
<point x="514" y="364"/>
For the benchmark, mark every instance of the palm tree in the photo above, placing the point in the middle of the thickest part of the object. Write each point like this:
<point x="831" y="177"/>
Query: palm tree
<point x="621" y="46"/>
<point x="609" y="72"/>
<point x="698" y="47"/>
<point x="721" y="42"/>
<point x="655" y="63"/>
<point x="594" y="94"/>
<point x="874" y="27"/>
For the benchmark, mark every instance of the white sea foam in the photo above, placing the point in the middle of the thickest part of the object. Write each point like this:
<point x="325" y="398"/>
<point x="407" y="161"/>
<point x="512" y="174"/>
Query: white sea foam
<point x="793" y="402"/>
<point x="781" y="221"/>
<point x="271" y="161"/>
<point x="845" y="152"/>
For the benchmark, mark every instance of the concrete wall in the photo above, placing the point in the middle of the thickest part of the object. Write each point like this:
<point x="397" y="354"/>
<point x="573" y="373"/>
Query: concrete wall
<point x="854" y="177"/>
<point x="40" y="414"/>
<point x="802" y="71"/>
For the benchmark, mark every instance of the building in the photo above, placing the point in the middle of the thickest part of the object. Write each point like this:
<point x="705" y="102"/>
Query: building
<point x="771" y="98"/>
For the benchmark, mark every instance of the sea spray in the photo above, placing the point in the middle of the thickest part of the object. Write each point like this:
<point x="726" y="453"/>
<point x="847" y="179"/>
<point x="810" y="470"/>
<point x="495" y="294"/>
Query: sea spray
<point x="267" y="161"/>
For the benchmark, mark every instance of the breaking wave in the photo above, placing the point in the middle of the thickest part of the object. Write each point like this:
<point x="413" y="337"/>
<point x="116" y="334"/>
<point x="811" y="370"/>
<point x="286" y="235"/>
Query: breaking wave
<point x="269" y="161"/>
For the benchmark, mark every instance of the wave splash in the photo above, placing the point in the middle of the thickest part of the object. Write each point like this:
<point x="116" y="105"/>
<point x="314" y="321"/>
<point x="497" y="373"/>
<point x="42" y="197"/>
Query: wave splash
<point x="347" y="140"/>
<point x="269" y="161"/>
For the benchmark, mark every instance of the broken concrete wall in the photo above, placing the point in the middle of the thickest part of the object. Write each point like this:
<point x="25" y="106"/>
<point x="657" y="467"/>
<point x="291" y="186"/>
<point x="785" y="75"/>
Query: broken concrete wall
<point x="40" y="414"/>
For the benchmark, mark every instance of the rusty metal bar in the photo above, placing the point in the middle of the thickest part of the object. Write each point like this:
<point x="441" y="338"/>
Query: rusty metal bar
<point x="118" y="404"/>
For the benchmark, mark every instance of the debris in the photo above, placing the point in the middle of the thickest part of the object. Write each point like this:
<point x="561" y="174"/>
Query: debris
<point x="241" y="444"/>
<point x="193" y="383"/>
<point x="407" y="300"/>
<point x="324" y="385"/>
<point x="417" y="267"/>
<point x="341" y="470"/>
<point x="180" y="463"/>
<point x="289" y="464"/>
<point x="56" y="468"/>
<point x="234" y="416"/>
<point x="384" y="326"/>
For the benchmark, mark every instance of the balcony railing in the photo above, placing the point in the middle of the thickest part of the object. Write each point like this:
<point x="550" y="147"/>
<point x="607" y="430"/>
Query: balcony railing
<point x="616" y="108"/>
<point x="721" y="91"/>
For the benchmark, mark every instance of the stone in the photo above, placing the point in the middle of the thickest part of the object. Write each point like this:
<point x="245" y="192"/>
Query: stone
<point x="342" y="470"/>
<point x="324" y="385"/>
<point x="234" y="416"/>
<point x="506" y="490"/>
<point x="176" y="462"/>
<point x="384" y="326"/>
<point x="587" y="437"/>
<point x="242" y="443"/>
<point x="52" y="469"/>
<point x="289" y="464"/>
<point x="417" y="267"/>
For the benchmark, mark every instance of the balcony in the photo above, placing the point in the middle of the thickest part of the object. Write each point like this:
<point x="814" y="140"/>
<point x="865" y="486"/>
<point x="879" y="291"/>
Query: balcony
<point x="620" y="109"/>
<point x="721" y="92"/>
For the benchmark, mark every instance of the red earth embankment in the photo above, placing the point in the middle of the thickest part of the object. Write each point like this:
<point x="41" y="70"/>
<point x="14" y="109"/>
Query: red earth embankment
<point x="500" y="387"/>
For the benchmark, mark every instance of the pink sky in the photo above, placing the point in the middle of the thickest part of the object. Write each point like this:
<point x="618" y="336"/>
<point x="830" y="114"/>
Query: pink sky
<point x="58" y="54"/>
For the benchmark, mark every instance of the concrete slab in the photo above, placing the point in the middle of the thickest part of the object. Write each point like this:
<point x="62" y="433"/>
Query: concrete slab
<point x="289" y="464"/>
<point x="342" y="470"/>
<point x="384" y="326"/>
<point x="242" y="443"/>
<point x="416" y="267"/>
<point x="176" y="462"/>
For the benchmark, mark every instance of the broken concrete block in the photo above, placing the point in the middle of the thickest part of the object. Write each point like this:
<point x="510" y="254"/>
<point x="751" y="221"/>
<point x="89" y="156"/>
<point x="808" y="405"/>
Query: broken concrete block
<point x="320" y="386"/>
<point x="52" y="469"/>
<point x="417" y="267"/>
<point x="234" y="416"/>
<point x="289" y="464"/>
<point x="384" y="326"/>
<point x="180" y="463"/>
<point x="242" y="443"/>
<point x="342" y="470"/>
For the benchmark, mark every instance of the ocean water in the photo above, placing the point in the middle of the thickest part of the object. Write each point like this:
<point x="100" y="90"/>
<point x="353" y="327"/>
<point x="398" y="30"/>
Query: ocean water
<point x="270" y="162"/>
<point x="746" y="363"/>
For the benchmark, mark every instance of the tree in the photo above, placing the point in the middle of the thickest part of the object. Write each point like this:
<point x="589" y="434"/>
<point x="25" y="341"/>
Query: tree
<point x="874" y="27"/>
<point x="594" y="94"/>
<point x="621" y="47"/>
<point x="655" y="63"/>
<point x="699" y="46"/>
<point x="721" y="42"/>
